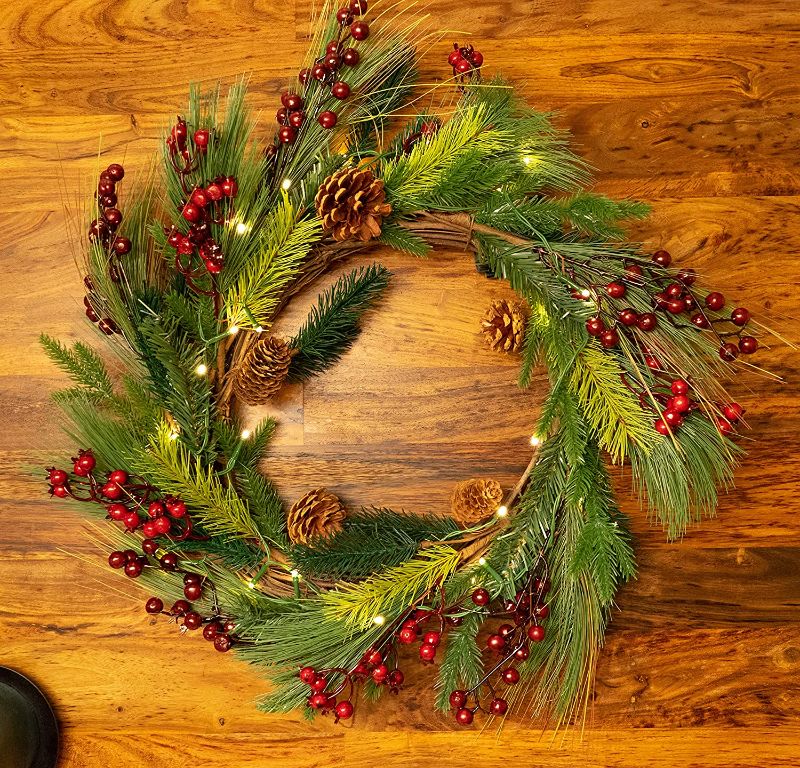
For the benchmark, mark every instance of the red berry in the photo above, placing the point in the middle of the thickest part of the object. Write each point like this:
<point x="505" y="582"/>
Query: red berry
<point x="504" y="630"/>
<point x="542" y="611"/>
<point x="359" y="30"/>
<point x="344" y="16"/>
<point x="318" y="684"/>
<point x="510" y="675"/>
<point x="201" y="137"/>
<point x="662" y="258"/>
<point x="427" y="652"/>
<point x="661" y="427"/>
<point x="748" y="345"/>
<point x="130" y="555"/>
<point x="733" y="412"/>
<point x="57" y="477"/>
<point x="481" y="596"/>
<point x="380" y="673"/>
<point x="647" y="321"/>
<point x="407" y="635"/>
<point x="117" y="511"/>
<point x="344" y="710"/>
<point x="351" y="57"/>
<point x="464" y="716"/>
<point x="149" y="546"/>
<point x="199" y="197"/>
<point x="287" y="134"/>
<point x="192" y="213"/>
<point x="458" y="699"/>
<point x="214" y="192"/>
<point x="723" y="426"/>
<point x="169" y="561"/>
<point x="113" y="218"/>
<point x="699" y="320"/>
<point x="327" y="119"/>
<point x="595" y="326"/>
<point x="358" y="7"/>
<point x="715" y="300"/>
<point x="476" y="57"/>
<point x="296" y="119"/>
<point x="303" y="75"/>
<point x="616" y="290"/>
<point x="162" y="525"/>
<point x="86" y="461"/>
<point x="609" y="338"/>
<point x="462" y="67"/>
<point x="633" y="269"/>
<point x="176" y="508"/>
<point x="154" y="605"/>
<point x="373" y="657"/>
<point x="122" y="246"/>
<point x="687" y="276"/>
<point x="454" y="57"/>
<point x="432" y="638"/>
<point x="676" y="306"/>
<point x="319" y="71"/>
<point x="495" y="643"/>
<point x="222" y="643"/>
<point x="340" y="89"/>
<point x="192" y="620"/>
<point x="307" y="675"/>
<point x="332" y="46"/>
<point x="729" y="352"/>
<point x="131" y="521"/>
<point x="740" y="316"/>
<point x="681" y="403"/>
<point x="149" y="529"/>
<point x="498" y="706"/>
<point x="660" y="300"/>
<point x="673" y="418"/>
<point x="679" y="387"/>
<point x="117" y="559"/>
<point x="133" y="569"/>
<point x="60" y="492"/>
<point x="396" y="678"/>
<point x="211" y="630"/>
<point x="115" y="171"/>
<point x="179" y="607"/>
<point x="522" y="653"/>
<point x="674" y="291"/>
<point x="230" y="187"/>
<point x="332" y="61"/>
<point x="628" y="317"/>
<point x="192" y="578"/>
<point x="536" y="633"/>
<point x="292" y="101"/>
<point x="156" y="509"/>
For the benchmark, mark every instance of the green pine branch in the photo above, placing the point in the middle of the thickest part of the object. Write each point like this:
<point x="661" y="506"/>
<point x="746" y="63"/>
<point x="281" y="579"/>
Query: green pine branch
<point x="334" y="324"/>
<point x="82" y="364"/>
<point x="462" y="665"/>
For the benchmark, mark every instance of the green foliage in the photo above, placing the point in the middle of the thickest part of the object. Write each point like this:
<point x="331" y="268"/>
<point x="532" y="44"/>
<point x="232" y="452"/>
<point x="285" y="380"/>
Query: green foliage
<point x="334" y="324"/>
<point x="462" y="666"/>
<point x="401" y="239"/>
<point x="83" y="365"/>
<point x="370" y="542"/>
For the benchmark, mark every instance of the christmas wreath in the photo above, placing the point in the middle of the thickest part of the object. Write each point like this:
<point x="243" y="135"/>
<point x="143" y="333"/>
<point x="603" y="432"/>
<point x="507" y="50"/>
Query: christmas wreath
<point x="186" y="287"/>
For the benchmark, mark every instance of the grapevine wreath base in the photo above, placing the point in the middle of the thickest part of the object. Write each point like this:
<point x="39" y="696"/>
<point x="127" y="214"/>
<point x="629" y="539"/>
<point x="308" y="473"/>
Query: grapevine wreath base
<point x="187" y="284"/>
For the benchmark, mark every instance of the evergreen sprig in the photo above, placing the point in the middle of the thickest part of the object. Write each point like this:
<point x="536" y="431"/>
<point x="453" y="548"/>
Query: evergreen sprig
<point x="334" y="324"/>
<point x="82" y="363"/>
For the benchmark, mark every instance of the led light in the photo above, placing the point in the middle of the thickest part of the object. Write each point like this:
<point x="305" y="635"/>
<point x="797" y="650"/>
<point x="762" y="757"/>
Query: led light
<point x="286" y="183"/>
<point x="527" y="159"/>
<point x="245" y="434"/>
<point x="586" y="293"/>
<point x="251" y="584"/>
<point x="173" y="435"/>
<point x="259" y="329"/>
<point x="294" y="573"/>
<point x="379" y="620"/>
<point x="536" y="441"/>
<point x="482" y="561"/>
<point x="201" y="369"/>
<point x="502" y="511"/>
<point x="233" y="330"/>
<point x="242" y="228"/>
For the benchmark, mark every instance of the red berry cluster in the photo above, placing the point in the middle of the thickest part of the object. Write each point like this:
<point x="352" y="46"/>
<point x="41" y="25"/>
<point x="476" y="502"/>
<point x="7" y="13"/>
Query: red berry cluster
<point x="465" y="61"/>
<point x="677" y="402"/>
<point x="203" y="208"/>
<point x="326" y="72"/>
<point x="185" y="154"/>
<point x="124" y="497"/>
<point x="510" y="642"/>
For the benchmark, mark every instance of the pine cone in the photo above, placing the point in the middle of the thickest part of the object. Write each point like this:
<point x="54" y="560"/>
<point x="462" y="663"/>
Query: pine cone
<point x="263" y="370"/>
<point x="504" y="324"/>
<point x="318" y="514"/>
<point x="352" y="204"/>
<point x="474" y="500"/>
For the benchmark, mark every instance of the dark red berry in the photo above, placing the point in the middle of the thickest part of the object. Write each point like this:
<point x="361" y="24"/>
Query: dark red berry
<point x="699" y="320"/>
<point x="358" y="7"/>
<point x="169" y="561"/>
<point x="149" y="546"/>
<point x="133" y="569"/>
<point x="287" y="134"/>
<point x="115" y="172"/>
<point x="498" y="706"/>
<point x="211" y="630"/>
<point x="662" y="258"/>
<point x="344" y="710"/>
<point x="117" y="559"/>
<point x="340" y="89"/>
<point x="536" y="633"/>
<point x="122" y="246"/>
<point x="715" y="300"/>
<point x="359" y="30"/>
<point x="616" y="290"/>
<point x="179" y="607"/>
<point x="748" y="345"/>
<point x="729" y="352"/>
<point x="647" y="321"/>
<point x="344" y="16"/>
<point x="458" y="699"/>
<point x="462" y="67"/>
<point x="679" y="387"/>
<point x="154" y="605"/>
<point x="661" y="427"/>
<point x="732" y="412"/>
<point x="327" y="119"/>
<point x="628" y="317"/>
<point x="222" y="643"/>
<point x="351" y="57"/>
<point x="510" y="675"/>
<point x="495" y="643"/>
<point x="481" y="596"/>
<point x="464" y="716"/>
<point x="427" y="652"/>
<point x="723" y="426"/>
<point x="307" y="675"/>
<point x="740" y="316"/>
<point x="687" y="276"/>
<point x="595" y="326"/>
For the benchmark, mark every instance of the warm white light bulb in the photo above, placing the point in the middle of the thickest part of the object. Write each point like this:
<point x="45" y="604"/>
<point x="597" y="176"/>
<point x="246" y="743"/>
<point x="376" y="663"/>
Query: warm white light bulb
<point x="286" y="183"/>
<point x="173" y="435"/>
<point x="482" y="561"/>
<point x="586" y="293"/>
<point x="233" y="330"/>
<point x="527" y="159"/>
<point x="251" y="584"/>
<point x="245" y="434"/>
<point x="201" y="369"/>
<point x="536" y="441"/>
<point x="379" y="620"/>
<point x="294" y="573"/>
<point x="502" y="511"/>
<point x="242" y="228"/>
<point x="259" y="329"/>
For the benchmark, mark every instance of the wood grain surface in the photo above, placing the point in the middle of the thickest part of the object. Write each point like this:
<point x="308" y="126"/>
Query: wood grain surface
<point x="690" y="104"/>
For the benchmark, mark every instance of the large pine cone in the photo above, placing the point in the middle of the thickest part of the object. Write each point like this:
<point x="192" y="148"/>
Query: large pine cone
<point x="475" y="500"/>
<point x="263" y="370"/>
<point x="504" y="324"/>
<point x="319" y="514"/>
<point x="352" y="204"/>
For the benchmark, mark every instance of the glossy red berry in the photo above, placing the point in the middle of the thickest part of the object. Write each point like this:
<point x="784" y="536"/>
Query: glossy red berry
<point x="176" y="508"/>
<point x="340" y="89"/>
<point x="681" y="403"/>
<point x="222" y="643"/>
<point x="86" y="461"/>
<point x="748" y="345"/>
<point x="673" y="418"/>
<point x="715" y="300"/>
<point x="154" y="605"/>
<point x="679" y="387"/>
<point x="729" y="352"/>
<point x="464" y="716"/>
<point x="115" y="172"/>
<point x="432" y="638"/>
<point x="117" y="559"/>
<point x="504" y="630"/>
<point x="498" y="706"/>
<point x="647" y="321"/>
<point x="687" y="276"/>
<point x="462" y="67"/>
<point x="481" y="596"/>
<point x="358" y="7"/>
<point x="230" y="187"/>
<point x="287" y="134"/>
<point x="60" y="492"/>
<point x="307" y="675"/>
<point x="296" y="119"/>
<point x="169" y="561"/>
<point x="458" y="699"/>
<point x="122" y="246"/>
<point x="292" y="101"/>
<point x="332" y="61"/>
<point x="522" y="653"/>
<point x="616" y="290"/>
<point x="211" y="630"/>
<point x="117" y="512"/>
<point x="510" y="675"/>
<point x="133" y="569"/>
<point x="595" y="326"/>
<point x="351" y="57"/>
<point x="112" y="491"/>
<point x="633" y="269"/>
<point x="699" y="320"/>
<point x="131" y="521"/>
<point x="723" y="426"/>
<point x="344" y="710"/>
<point x="662" y="258"/>
<point x="149" y="546"/>
<point x="495" y="643"/>
<point x="192" y="213"/>
<point x="609" y="338"/>
<point x="661" y="427"/>
<point x="536" y="633"/>
<point x="192" y="620"/>
<point x="476" y="58"/>
<point x="407" y="635"/>
<point x="57" y="477"/>
<point x="113" y="218"/>
<point x="193" y="591"/>
<point x="344" y="16"/>
<point x="304" y="75"/>
<point x="676" y="306"/>
<point x="740" y="316"/>
<point x="454" y="57"/>
<point x="628" y="317"/>
<point x="427" y="652"/>
<point x="733" y="412"/>
<point x="359" y="30"/>
<point x="327" y="119"/>
<point x="396" y="678"/>
<point x="380" y="673"/>
<point x="179" y="607"/>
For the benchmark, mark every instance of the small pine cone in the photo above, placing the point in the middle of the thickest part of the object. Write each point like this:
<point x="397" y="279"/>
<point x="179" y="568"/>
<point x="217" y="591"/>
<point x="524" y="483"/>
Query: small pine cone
<point x="263" y="370"/>
<point x="474" y="500"/>
<point x="318" y="514"/>
<point x="352" y="204"/>
<point x="504" y="324"/>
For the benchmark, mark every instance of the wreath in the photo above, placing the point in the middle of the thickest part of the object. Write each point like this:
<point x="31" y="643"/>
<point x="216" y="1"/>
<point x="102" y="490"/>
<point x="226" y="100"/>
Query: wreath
<point x="186" y="287"/>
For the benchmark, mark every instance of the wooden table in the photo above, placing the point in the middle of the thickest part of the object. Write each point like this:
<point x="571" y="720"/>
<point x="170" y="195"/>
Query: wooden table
<point x="694" y="106"/>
